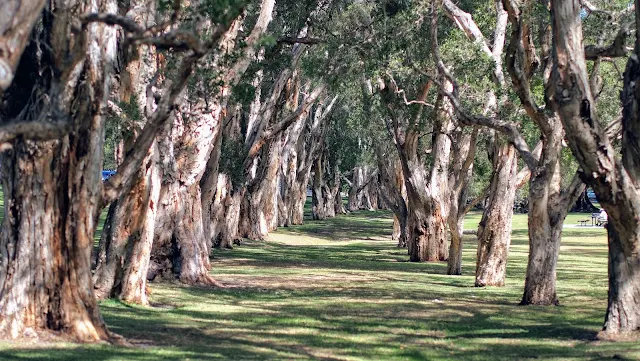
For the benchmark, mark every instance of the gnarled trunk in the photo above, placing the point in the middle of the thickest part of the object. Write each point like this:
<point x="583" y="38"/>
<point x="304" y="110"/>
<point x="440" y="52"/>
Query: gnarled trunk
<point x="356" y="193"/>
<point x="125" y="245"/>
<point x="47" y="237"/>
<point x="623" y="316"/>
<point x="180" y="247"/>
<point x="298" y="200"/>
<point x="261" y="209"/>
<point x="547" y="210"/>
<point x="427" y="236"/>
<point x="322" y="200"/>
<point x="427" y="212"/>
<point x="52" y="188"/>
<point x="319" y="203"/>
<point x="494" y="230"/>
<point x="614" y="181"/>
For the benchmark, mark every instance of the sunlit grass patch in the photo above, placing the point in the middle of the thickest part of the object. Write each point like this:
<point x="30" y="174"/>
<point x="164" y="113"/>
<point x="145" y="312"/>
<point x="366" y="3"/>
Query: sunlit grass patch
<point x="341" y="290"/>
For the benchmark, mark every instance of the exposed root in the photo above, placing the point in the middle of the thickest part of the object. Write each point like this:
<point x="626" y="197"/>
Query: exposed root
<point x="210" y="281"/>
<point x="118" y="340"/>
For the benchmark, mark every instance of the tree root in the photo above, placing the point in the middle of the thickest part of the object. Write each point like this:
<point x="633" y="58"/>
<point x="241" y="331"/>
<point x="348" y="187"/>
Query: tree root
<point x="208" y="280"/>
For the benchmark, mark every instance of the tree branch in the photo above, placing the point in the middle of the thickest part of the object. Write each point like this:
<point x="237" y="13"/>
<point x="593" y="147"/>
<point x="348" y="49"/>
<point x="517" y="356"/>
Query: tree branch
<point x="35" y="130"/>
<point x="275" y="129"/>
<point x="617" y="49"/>
<point x="175" y="39"/>
<point x="474" y="202"/>
<point x="304" y="40"/>
<point x="123" y="180"/>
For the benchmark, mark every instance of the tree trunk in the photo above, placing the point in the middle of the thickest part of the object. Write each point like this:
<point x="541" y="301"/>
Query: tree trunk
<point x="427" y="233"/>
<point x="213" y="186"/>
<point x="614" y="180"/>
<point x="323" y="196"/>
<point x="52" y="189"/>
<point x="180" y="246"/>
<point x="372" y="194"/>
<point x="229" y="232"/>
<point x="298" y="198"/>
<point x="460" y="176"/>
<point x="355" y="192"/>
<point x="454" y="262"/>
<point x="125" y="244"/>
<point x="427" y="217"/>
<point x="544" y="246"/>
<point x="336" y="187"/>
<point x="494" y="230"/>
<point x="546" y="216"/>
<point x="133" y="287"/>
<point x="584" y="205"/>
<point x="261" y="210"/>
<point x="47" y="237"/>
<point x="318" y="199"/>
<point x="622" y="317"/>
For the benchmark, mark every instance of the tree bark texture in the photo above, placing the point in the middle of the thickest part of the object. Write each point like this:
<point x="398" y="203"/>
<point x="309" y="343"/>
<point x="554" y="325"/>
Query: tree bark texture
<point x="393" y="192"/>
<point x="614" y="181"/>
<point x="52" y="189"/>
<point x="494" y="230"/>
<point x="180" y="246"/>
<point x="460" y="177"/>
<point x="125" y="245"/>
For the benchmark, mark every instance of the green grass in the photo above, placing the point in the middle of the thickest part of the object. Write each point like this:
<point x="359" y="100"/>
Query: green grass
<point x="341" y="290"/>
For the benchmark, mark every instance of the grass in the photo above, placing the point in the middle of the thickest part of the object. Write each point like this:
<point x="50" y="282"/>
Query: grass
<point x="341" y="290"/>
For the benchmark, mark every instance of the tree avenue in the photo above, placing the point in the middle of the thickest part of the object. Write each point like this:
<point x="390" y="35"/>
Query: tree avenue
<point x="221" y="118"/>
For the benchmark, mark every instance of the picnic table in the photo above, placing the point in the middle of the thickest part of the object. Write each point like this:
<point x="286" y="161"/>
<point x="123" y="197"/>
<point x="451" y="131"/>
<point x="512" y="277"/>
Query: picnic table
<point x="583" y="222"/>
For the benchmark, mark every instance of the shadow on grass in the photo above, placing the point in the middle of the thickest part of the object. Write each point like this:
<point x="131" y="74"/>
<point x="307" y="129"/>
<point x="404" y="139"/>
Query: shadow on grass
<point x="364" y="225"/>
<point x="359" y="301"/>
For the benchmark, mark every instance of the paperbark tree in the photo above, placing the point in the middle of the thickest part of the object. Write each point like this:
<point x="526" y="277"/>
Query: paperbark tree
<point x="46" y="285"/>
<point x="181" y="246"/>
<point x="359" y="188"/>
<point x="324" y="193"/>
<point x="125" y="244"/>
<point x="426" y="188"/>
<point x="548" y="204"/>
<point x="52" y="188"/>
<point x="393" y="192"/>
<point x="494" y="230"/>
<point x="614" y="180"/>
<point x="460" y="176"/>
<point x="261" y="190"/>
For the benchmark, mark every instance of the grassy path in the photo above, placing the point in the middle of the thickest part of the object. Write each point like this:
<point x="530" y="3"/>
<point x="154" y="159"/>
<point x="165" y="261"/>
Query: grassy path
<point x="340" y="290"/>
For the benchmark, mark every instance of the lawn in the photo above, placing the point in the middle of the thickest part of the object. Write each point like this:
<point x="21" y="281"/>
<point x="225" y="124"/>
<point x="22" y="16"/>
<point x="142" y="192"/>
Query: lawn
<point x="341" y="290"/>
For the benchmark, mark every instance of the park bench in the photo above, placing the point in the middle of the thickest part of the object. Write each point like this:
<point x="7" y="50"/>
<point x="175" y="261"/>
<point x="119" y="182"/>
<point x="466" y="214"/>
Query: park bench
<point x="583" y="222"/>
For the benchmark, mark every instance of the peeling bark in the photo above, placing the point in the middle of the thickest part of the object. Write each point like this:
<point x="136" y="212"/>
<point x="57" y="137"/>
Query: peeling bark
<point x="52" y="191"/>
<point x="494" y="230"/>
<point x="614" y="181"/>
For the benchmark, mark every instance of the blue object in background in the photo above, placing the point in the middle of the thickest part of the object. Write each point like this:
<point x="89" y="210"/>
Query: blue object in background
<point x="584" y="13"/>
<point x="106" y="174"/>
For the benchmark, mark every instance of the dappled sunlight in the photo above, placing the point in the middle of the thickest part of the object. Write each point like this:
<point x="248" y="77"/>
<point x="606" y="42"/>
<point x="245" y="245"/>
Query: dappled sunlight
<point x="303" y="295"/>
